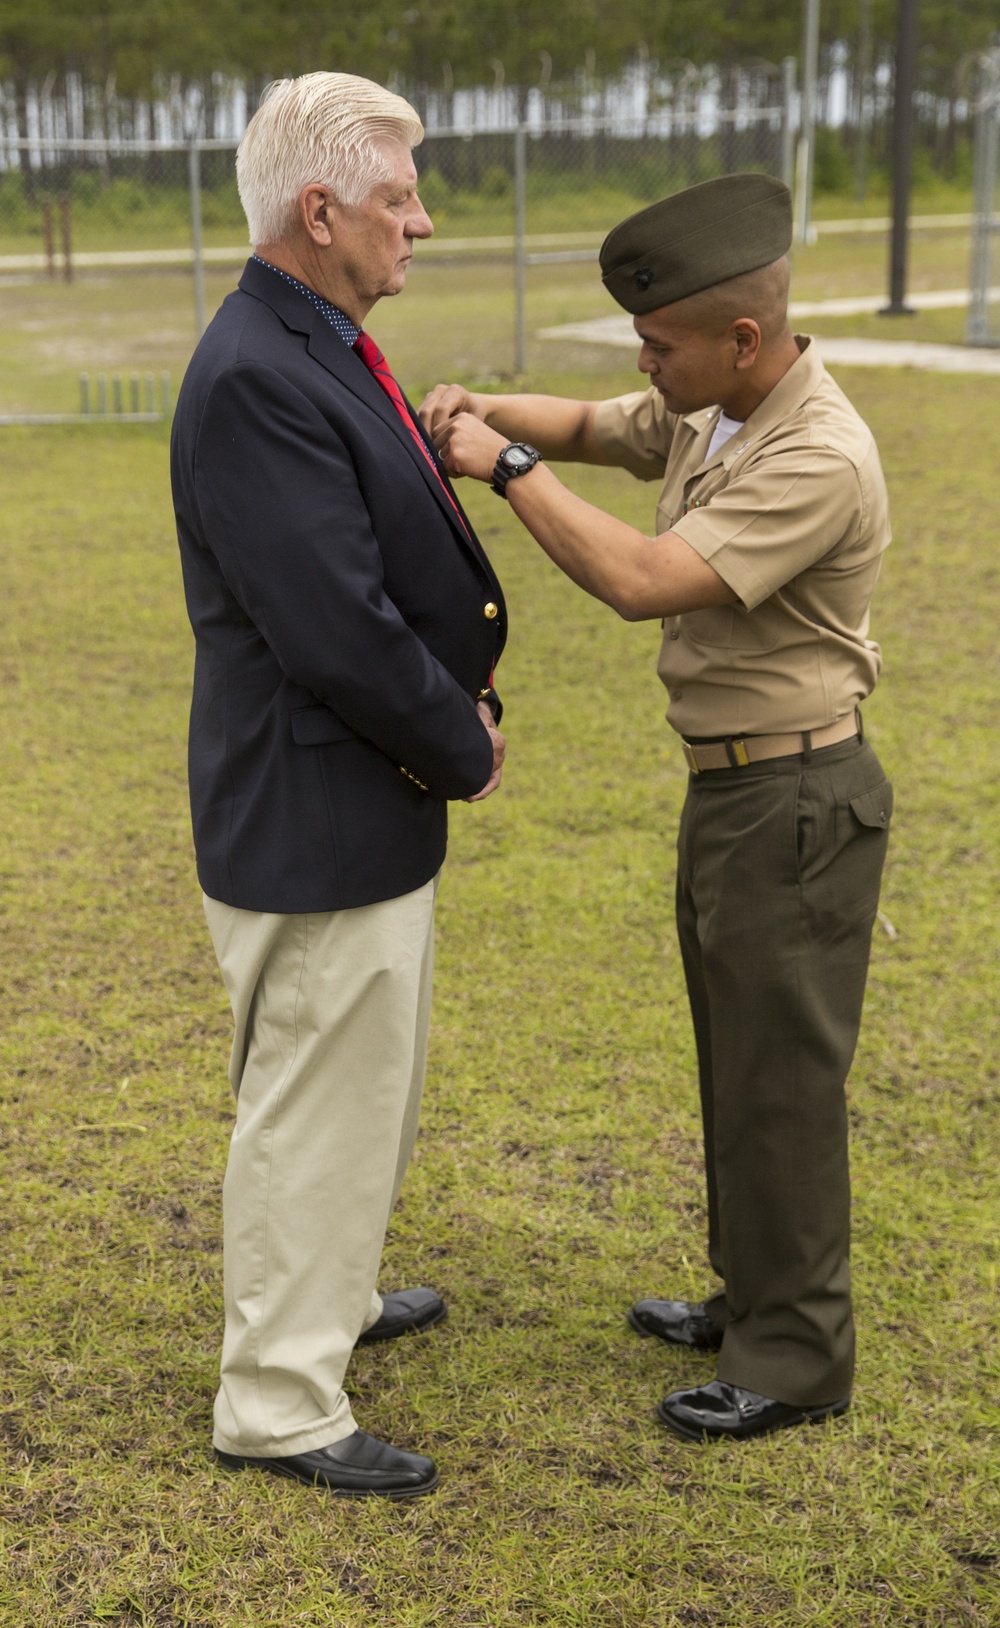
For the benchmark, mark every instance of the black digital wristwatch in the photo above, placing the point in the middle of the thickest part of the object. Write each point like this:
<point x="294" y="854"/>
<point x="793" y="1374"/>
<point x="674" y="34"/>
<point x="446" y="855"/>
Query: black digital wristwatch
<point x="515" y="459"/>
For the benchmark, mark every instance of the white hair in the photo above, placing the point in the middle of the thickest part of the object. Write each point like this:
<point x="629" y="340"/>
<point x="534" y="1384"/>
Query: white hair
<point x="324" y="129"/>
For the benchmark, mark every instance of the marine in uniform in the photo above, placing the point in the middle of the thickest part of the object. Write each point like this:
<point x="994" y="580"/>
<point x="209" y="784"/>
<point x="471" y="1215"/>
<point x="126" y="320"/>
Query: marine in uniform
<point x="770" y="529"/>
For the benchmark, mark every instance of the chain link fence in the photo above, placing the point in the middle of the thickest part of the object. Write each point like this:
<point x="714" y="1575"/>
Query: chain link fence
<point x="114" y="253"/>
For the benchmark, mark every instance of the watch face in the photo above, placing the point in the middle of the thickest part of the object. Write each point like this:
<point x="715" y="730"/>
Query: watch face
<point x="517" y="457"/>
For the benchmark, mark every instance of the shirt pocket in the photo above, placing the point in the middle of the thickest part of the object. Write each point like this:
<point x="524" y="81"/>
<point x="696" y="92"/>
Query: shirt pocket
<point x="730" y="627"/>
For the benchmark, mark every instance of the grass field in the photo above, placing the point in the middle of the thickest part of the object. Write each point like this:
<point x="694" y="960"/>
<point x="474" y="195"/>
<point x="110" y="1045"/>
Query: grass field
<point x="558" y="1172"/>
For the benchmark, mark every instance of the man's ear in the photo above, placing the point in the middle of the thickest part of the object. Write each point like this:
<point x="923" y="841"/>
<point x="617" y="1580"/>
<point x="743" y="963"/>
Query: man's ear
<point x="746" y="333"/>
<point x="314" y="207"/>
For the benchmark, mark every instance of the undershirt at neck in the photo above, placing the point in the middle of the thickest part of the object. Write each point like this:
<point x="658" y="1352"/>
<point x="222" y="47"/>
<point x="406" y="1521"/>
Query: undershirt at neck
<point x="724" y="431"/>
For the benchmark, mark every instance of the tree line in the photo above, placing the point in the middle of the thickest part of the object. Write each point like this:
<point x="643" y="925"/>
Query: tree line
<point x="134" y="48"/>
<point x="141" y="41"/>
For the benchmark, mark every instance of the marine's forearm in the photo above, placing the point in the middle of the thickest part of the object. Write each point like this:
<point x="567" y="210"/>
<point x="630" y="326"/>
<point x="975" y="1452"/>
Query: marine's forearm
<point x="559" y="428"/>
<point x="638" y="576"/>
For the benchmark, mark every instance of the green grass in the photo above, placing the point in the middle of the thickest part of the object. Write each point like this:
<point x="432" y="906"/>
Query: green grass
<point x="558" y="1173"/>
<point x="129" y="213"/>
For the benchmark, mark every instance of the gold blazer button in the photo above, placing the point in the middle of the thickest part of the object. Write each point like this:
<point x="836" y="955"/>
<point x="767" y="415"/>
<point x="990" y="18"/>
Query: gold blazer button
<point x="490" y="611"/>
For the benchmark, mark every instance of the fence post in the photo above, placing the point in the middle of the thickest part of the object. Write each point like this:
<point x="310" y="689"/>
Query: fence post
<point x="520" y="165"/>
<point x="194" y="183"/>
<point x="787" y="125"/>
<point x="985" y="154"/>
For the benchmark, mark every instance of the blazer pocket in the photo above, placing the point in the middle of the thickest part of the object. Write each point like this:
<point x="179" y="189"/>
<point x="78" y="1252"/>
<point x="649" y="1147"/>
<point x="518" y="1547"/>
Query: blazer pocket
<point x="318" y="726"/>
<point x="874" y="808"/>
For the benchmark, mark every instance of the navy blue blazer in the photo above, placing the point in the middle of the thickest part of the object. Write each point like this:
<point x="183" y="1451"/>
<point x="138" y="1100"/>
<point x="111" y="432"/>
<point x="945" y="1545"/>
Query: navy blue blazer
<point x="344" y="623"/>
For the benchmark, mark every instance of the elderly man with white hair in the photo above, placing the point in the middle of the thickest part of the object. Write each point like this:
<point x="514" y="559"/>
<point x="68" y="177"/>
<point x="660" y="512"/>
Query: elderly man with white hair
<point x="347" y="624"/>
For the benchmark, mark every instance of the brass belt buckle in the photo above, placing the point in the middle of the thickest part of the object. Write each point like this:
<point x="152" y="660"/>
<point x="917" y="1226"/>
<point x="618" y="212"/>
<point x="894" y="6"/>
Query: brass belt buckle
<point x="737" y="754"/>
<point x="691" y="757"/>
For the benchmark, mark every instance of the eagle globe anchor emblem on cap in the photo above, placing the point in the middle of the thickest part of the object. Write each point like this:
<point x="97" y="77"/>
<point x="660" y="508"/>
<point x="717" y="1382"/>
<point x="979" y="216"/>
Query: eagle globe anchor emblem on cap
<point x="643" y="278"/>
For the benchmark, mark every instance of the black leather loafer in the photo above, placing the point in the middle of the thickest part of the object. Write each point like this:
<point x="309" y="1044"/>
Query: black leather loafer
<point x="405" y="1312"/>
<point x="718" y="1409"/>
<point x="357" y="1467"/>
<point x="679" y="1322"/>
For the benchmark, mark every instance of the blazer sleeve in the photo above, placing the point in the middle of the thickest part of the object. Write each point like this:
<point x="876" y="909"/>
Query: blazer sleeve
<point x="282" y="511"/>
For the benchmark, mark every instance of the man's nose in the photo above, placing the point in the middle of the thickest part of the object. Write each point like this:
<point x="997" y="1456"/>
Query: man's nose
<point x="419" y="224"/>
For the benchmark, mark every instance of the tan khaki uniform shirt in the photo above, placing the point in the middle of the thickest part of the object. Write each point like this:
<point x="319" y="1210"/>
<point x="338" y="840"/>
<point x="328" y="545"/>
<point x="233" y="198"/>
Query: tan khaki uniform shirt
<point x="793" y="514"/>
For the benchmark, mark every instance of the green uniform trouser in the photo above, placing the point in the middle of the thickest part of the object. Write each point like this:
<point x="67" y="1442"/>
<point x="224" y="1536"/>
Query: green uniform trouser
<point x="778" y="877"/>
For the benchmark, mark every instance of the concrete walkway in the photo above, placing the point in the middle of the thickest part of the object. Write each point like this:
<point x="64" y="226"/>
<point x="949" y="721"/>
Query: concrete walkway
<point x="619" y="332"/>
<point x="574" y="245"/>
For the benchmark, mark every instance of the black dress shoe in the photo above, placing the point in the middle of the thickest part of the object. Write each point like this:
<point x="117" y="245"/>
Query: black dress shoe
<point x="679" y="1322"/>
<point x="357" y="1467"/>
<point x="719" y="1409"/>
<point x="403" y="1313"/>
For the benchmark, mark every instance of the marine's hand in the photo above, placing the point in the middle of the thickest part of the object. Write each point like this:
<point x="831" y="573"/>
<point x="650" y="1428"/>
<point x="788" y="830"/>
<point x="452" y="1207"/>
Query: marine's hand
<point x="469" y="447"/>
<point x="445" y="401"/>
<point x="499" y="752"/>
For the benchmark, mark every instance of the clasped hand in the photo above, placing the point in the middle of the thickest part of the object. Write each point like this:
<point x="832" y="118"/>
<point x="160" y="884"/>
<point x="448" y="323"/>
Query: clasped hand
<point x="499" y="753"/>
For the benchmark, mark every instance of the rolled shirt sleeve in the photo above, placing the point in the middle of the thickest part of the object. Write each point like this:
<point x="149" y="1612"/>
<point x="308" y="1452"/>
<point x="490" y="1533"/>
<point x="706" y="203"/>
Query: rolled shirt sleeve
<point x="635" y="432"/>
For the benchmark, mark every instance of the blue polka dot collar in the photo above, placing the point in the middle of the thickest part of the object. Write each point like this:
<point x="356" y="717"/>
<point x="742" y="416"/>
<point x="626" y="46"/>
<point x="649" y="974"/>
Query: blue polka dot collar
<point x="333" y="314"/>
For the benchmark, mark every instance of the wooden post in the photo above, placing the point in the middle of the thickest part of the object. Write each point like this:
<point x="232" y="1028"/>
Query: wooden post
<point x="49" y="231"/>
<point x="67" y="239"/>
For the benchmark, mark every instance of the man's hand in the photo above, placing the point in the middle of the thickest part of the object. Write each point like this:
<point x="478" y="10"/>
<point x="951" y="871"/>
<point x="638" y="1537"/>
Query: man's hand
<point x="560" y="429"/>
<point x="499" y="752"/>
<point x="469" y="447"/>
<point x="446" y="401"/>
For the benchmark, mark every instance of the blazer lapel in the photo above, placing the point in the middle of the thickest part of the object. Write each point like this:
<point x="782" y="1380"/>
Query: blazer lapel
<point x="329" y="350"/>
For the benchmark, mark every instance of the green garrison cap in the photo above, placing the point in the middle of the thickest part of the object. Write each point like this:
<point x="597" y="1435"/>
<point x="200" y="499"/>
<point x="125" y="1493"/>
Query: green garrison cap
<point x="696" y="239"/>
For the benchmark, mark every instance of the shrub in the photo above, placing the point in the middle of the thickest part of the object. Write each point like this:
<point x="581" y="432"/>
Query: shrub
<point x="435" y="193"/>
<point x="832" y="165"/>
<point x="495" y="183"/>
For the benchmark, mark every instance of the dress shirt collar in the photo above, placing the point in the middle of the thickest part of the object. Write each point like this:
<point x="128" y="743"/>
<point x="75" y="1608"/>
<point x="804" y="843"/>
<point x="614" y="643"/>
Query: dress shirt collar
<point x="342" y="324"/>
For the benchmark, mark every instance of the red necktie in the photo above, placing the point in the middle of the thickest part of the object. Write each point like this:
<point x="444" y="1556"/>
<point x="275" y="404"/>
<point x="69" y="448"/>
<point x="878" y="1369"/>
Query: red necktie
<point x="378" y="367"/>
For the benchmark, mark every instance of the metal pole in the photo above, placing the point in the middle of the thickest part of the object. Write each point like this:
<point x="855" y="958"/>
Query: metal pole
<point x="194" y="182"/>
<point x="902" y="156"/>
<point x="787" y="127"/>
<point x="864" y="102"/>
<point x="804" y="158"/>
<point x="520" y="167"/>
<point x="986" y="141"/>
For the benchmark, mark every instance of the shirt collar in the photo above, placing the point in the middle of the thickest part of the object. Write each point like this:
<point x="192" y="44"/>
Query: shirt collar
<point x="791" y="391"/>
<point x="332" y="314"/>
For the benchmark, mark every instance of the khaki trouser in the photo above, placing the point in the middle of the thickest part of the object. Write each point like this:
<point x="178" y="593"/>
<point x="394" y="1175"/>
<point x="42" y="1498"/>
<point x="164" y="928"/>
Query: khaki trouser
<point x="778" y="877"/>
<point x="331" y="1012"/>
